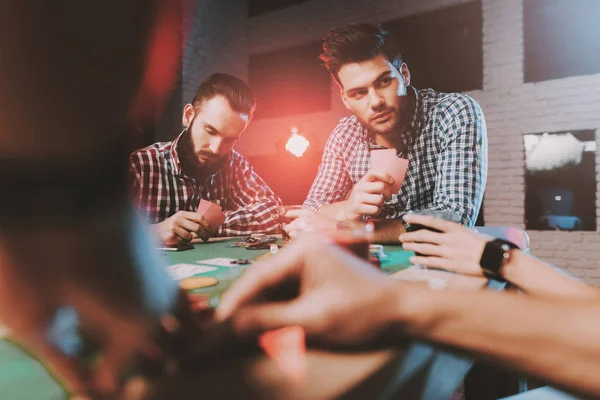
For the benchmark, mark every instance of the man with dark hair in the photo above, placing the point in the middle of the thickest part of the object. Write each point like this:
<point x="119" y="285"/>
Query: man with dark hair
<point x="442" y="135"/>
<point x="171" y="178"/>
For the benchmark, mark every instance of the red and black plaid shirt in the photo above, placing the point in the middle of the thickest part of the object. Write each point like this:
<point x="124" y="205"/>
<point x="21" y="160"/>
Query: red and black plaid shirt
<point x="161" y="189"/>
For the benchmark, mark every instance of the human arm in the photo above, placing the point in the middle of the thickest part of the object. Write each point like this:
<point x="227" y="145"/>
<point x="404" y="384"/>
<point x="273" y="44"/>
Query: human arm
<point x="181" y="227"/>
<point x="514" y="331"/>
<point x="332" y="184"/>
<point x="461" y="171"/>
<point x="297" y="221"/>
<point x="367" y="197"/>
<point x="554" y="340"/>
<point x="174" y="230"/>
<point x="254" y="206"/>
<point x="459" y="249"/>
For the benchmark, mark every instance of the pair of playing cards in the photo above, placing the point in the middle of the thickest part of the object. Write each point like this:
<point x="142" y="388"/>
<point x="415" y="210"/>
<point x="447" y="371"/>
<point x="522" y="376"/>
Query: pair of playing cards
<point x="212" y="212"/>
<point x="385" y="160"/>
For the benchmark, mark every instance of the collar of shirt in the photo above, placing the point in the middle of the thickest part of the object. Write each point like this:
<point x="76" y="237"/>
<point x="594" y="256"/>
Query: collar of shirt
<point x="175" y="163"/>
<point x="409" y="133"/>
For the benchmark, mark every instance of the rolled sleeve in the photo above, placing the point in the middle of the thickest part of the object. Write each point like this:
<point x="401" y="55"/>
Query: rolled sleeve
<point x="255" y="207"/>
<point x="333" y="182"/>
<point x="462" y="166"/>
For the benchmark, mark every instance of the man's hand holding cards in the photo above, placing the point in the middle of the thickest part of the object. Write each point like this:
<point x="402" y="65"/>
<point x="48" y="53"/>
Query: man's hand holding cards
<point x="183" y="226"/>
<point x="385" y="160"/>
<point x="377" y="186"/>
<point x="213" y="213"/>
<point x="180" y="228"/>
<point x="368" y="195"/>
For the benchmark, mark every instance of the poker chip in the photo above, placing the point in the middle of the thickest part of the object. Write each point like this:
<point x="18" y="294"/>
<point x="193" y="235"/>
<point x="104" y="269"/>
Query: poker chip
<point x="241" y="261"/>
<point x="198" y="282"/>
<point x="254" y="242"/>
<point x="377" y="250"/>
<point x="373" y="259"/>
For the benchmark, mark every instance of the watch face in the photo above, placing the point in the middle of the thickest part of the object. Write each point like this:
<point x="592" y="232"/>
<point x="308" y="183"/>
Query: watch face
<point x="494" y="255"/>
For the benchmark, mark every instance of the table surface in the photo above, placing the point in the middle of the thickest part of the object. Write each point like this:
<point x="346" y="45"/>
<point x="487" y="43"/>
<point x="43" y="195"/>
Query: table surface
<point x="396" y="264"/>
<point x="356" y="375"/>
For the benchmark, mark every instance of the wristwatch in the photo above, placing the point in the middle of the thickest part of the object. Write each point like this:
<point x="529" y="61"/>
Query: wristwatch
<point x="495" y="254"/>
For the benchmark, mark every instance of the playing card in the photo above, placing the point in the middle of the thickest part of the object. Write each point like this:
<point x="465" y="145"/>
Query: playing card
<point x="181" y="247"/>
<point x="214" y="215"/>
<point x="212" y="212"/>
<point x="183" y="271"/>
<point x="287" y="347"/>
<point x="203" y="206"/>
<point x="385" y="160"/>
<point x="219" y="261"/>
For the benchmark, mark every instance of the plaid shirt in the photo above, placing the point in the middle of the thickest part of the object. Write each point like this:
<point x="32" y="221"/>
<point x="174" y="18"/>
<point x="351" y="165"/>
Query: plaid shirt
<point x="161" y="189"/>
<point x="445" y="143"/>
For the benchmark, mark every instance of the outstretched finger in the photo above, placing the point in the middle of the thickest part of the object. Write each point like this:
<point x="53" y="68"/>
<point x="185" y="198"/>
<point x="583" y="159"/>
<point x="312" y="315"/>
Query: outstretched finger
<point x="255" y="319"/>
<point x="260" y="277"/>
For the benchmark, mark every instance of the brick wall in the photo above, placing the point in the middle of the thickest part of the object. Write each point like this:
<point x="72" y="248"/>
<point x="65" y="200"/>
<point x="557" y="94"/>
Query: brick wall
<point x="216" y="42"/>
<point x="512" y="108"/>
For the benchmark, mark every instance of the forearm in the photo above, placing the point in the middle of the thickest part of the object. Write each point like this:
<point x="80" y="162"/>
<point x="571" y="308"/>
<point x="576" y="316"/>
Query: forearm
<point x="537" y="278"/>
<point x="255" y="218"/>
<point x="252" y="207"/>
<point x="388" y="230"/>
<point x="552" y="339"/>
<point x="334" y="211"/>
<point x="453" y="205"/>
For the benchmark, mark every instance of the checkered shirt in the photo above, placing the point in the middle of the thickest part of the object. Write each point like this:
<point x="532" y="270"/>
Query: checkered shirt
<point x="445" y="143"/>
<point x="161" y="189"/>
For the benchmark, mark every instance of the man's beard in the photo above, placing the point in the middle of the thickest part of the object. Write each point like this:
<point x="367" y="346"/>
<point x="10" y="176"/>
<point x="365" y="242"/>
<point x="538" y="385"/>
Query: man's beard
<point x="191" y="159"/>
<point x="374" y="129"/>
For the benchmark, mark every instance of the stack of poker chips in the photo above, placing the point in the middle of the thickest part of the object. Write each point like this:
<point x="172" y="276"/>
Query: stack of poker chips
<point x="376" y="254"/>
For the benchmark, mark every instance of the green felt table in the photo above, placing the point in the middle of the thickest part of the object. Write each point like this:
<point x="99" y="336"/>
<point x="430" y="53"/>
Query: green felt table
<point x="220" y="247"/>
<point x="24" y="377"/>
<point x="396" y="259"/>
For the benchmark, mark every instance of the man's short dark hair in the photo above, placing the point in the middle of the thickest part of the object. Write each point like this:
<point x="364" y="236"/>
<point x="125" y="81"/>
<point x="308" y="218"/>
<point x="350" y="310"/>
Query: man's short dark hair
<point x="236" y="91"/>
<point x="356" y="43"/>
